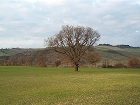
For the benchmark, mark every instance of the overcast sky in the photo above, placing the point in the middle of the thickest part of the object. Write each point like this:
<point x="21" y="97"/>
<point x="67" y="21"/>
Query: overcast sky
<point x="26" y="23"/>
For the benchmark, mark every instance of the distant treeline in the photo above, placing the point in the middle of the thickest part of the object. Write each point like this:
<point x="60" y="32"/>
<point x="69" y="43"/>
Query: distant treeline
<point x="120" y="46"/>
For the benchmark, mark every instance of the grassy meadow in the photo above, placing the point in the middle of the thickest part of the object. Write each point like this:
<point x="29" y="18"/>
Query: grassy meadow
<point x="64" y="86"/>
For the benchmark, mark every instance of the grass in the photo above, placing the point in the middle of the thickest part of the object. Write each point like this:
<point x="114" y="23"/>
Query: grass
<point x="63" y="86"/>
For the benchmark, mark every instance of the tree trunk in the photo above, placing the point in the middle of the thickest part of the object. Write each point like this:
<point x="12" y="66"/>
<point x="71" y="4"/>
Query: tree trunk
<point x="76" y="67"/>
<point x="95" y="64"/>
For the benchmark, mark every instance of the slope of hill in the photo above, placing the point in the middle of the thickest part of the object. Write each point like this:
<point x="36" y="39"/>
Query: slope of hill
<point x="118" y="53"/>
<point x="114" y="54"/>
<point x="13" y="51"/>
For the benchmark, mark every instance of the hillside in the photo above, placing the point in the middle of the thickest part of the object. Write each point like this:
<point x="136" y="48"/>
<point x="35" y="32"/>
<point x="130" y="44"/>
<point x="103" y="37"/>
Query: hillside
<point x="118" y="53"/>
<point x="106" y="51"/>
<point x="112" y="54"/>
<point x="13" y="51"/>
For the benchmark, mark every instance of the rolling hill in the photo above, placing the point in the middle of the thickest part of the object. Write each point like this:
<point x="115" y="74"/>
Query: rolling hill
<point x="114" y="54"/>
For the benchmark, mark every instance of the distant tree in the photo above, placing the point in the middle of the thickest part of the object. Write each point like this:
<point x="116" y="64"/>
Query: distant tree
<point x="93" y="58"/>
<point x="119" y="65"/>
<point x="57" y="63"/>
<point x="105" y="45"/>
<point x="134" y="62"/>
<point x="74" y="42"/>
<point x="41" y="60"/>
<point x="28" y="60"/>
<point x="106" y="64"/>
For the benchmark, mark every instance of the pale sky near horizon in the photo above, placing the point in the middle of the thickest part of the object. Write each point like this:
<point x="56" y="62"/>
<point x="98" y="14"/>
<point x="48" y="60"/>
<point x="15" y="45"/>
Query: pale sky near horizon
<point x="26" y="23"/>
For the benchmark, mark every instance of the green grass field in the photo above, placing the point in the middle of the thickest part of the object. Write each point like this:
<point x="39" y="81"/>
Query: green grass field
<point x="63" y="86"/>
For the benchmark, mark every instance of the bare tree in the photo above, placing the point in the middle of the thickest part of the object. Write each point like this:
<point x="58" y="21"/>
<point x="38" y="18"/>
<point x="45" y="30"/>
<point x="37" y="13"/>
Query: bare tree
<point x="73" y="41"/>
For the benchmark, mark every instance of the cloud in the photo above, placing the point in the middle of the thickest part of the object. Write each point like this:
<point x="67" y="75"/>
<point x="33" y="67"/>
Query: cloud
<point x="38" y="19"/>
<point x="47" y="2"/>
<point x="2" y="29"/>
<point x="26" y="42"/>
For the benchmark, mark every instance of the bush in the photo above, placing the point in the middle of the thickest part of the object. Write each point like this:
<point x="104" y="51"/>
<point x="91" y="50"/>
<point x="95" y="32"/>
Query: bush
<point x="134" y="63"/>
<point x="57" y="63"/>
<point x="93" y="58"/>
<point x="119" y="65"/>
<point x="106" y="64"/>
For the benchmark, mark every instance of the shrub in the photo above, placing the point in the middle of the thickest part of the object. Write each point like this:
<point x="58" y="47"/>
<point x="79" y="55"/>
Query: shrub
<point x="134" y="62"/>
<point x="93" y="58"/>
<point x="106" y="64"/>
<point x="57" y="63"/>
<point x="119" y="65"/>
